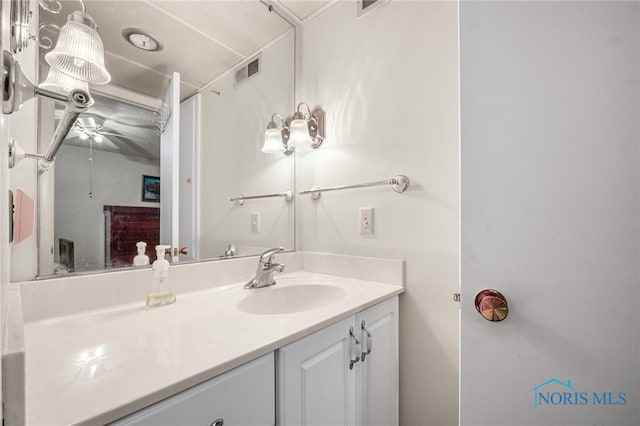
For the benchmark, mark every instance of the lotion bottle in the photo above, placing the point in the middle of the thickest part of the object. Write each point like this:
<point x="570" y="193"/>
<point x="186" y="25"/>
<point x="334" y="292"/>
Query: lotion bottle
<point x="161" y="293"/>
<point x="141" y="259"/>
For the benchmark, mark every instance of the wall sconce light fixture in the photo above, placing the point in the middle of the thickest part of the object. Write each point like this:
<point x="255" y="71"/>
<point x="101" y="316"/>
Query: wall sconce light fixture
<point x="17" y="89"/>
<point x="307" y="129"/>
<point x="276" y="137"/>
<point x="301" y="131"/>
<point x="76" y="61"/>
<point x="79" y="52"/>
<point x="61" y="83"/>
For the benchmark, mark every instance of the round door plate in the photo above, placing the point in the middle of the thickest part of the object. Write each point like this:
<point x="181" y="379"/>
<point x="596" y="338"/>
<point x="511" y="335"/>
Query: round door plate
<point x="492" y="305"/>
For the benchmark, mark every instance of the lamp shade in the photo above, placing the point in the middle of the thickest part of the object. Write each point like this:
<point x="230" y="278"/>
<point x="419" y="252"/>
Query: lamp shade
<point x="79" y="52"/>
<point x="63" y="84"/>
<point x="273" y="143"/>
<point x="299" y="136"/>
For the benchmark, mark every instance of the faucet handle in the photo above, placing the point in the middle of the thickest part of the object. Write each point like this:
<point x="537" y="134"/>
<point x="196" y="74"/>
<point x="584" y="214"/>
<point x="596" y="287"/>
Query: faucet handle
<point x="267" y="256"/>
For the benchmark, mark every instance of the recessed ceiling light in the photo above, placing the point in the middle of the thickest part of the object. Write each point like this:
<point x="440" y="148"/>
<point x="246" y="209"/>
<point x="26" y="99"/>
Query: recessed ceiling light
<point x="142" y="39"/>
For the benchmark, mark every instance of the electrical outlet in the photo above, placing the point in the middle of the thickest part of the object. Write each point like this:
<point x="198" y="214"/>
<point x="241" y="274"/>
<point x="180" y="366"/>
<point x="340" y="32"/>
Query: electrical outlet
<point x="366" y="220"/>
<point x="255" y="222"/>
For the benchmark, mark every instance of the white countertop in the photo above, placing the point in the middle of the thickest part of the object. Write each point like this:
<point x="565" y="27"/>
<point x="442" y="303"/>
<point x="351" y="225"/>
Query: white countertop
<point x="99" y="366"/>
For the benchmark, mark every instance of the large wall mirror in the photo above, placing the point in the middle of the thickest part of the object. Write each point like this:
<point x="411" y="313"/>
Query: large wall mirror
<point x="175" y="134"/>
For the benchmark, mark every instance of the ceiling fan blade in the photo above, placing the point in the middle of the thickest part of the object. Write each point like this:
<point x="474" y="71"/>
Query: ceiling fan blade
<point x="139" y="125"/>
<point x="121" y="136"/>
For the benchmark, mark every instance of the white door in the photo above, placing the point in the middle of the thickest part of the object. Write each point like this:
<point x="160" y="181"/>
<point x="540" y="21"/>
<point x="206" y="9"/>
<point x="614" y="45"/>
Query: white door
<point x="316" y="386"/>
<point x="189" y="175"/>
<point x="378" y="367"/>
<point x="550" y="108"/>
<point x="169" y="169"/>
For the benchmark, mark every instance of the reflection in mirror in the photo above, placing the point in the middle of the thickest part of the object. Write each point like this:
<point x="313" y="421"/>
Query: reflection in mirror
<point x="103" y="206"/>
<point x="236" y="65"/>
<point x="233" y="132"/>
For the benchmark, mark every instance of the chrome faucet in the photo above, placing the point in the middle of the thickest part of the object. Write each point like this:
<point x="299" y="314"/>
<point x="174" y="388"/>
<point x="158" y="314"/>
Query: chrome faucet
<point x="266" y="268"/>
<point x="230" y="251"/>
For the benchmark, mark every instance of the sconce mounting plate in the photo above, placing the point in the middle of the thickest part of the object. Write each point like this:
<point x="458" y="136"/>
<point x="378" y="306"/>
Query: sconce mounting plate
<point x="316" y="127"/>
<point x="288" y="150"/>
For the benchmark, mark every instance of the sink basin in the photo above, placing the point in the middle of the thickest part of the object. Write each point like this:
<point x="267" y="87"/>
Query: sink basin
<point x="290" y="299"/>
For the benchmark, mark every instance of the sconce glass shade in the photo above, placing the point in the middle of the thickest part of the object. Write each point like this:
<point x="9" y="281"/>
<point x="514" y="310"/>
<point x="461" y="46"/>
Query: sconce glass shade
<point x="79" y="51"/>
<point x="299" y="129"/>
<point x="273" y="142"/>
<point x="63" y="84"/>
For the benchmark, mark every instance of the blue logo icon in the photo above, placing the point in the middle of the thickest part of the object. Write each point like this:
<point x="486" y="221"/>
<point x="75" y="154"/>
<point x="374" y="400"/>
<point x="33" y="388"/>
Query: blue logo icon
<point x="554" y="392"/>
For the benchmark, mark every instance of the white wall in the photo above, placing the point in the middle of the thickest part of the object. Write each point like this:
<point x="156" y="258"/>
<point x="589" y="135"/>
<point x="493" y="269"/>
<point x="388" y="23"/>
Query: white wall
<point x="388" y="83"/>
<point x="550" y="208"/>
<point x="233" y="126"/>
<point x="117" y="180"/>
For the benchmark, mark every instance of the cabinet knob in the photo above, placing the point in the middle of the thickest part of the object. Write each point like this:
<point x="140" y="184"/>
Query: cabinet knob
<point x="492" y="305"/>
<point x="217" y="422"/>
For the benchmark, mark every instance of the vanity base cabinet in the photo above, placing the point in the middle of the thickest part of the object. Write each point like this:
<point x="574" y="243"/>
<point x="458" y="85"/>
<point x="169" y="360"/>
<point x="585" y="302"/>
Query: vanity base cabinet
<point x="345" y="374"/>
<point x="319" y="381"/>
<point x="240" y="397"/>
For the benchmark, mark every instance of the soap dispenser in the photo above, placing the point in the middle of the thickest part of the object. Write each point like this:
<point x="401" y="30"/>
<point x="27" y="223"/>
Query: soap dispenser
<point x="161" y="292"/>
<point x="141" y="259"/>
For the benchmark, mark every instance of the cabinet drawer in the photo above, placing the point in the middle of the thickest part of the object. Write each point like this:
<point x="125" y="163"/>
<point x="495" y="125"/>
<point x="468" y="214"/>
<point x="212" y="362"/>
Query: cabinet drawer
<point x="241" y="397"/>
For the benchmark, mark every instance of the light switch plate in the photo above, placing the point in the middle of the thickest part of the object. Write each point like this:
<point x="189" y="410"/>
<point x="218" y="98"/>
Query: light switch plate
<point x="366" y="220"/>
<point x="255" y="222"/>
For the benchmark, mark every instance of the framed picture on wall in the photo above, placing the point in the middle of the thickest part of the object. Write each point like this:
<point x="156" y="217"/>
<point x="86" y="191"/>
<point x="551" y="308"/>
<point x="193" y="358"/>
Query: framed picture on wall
<point x="151" y="188"/>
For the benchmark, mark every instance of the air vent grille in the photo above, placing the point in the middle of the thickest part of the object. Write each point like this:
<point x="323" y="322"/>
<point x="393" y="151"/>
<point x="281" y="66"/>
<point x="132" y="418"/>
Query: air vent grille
<point x="247" y="71"/>
<point x="365" y="6"/>
<point x="367" y="3"/>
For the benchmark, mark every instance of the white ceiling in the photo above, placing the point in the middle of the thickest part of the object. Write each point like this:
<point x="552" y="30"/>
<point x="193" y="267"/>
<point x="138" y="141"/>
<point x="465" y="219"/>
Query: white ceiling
<point x="202" y="39"/>
<point x="126" y="129"/>
<point x="302" y="9"/>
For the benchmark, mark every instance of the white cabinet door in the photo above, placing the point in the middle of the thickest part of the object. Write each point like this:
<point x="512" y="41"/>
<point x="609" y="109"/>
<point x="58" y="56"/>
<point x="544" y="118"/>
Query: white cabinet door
<point x="378" y="370"/>
<point x="241" y="397"/>
<point x="315" y="384"/>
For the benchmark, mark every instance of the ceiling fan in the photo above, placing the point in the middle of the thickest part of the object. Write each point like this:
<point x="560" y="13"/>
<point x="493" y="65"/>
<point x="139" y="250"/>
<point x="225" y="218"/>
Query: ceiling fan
<point x="88" y="128"/>
<point x="91" y="129"/>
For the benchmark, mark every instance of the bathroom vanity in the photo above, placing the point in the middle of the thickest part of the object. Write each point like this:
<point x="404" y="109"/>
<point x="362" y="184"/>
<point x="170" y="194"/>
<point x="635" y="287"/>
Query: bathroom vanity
<point x="323" y="378"/>
<point x="291" y="352"/>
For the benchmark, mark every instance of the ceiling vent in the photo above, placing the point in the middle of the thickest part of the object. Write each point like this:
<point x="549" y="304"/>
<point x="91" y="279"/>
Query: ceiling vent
<point x="366" y="6"/>
<point x="248" y="70"/>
